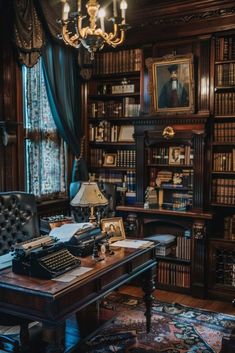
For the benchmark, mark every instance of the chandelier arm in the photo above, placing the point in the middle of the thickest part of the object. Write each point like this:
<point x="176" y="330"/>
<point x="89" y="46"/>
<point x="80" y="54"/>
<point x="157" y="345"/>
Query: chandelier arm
<point x="73" y="41"/>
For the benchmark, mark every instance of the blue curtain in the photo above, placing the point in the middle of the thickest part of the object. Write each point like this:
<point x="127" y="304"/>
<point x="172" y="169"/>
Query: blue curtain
<point x="62" y="84"/>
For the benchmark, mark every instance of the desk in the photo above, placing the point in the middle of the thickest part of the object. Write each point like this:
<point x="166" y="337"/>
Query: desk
<point x="51" y="302"/>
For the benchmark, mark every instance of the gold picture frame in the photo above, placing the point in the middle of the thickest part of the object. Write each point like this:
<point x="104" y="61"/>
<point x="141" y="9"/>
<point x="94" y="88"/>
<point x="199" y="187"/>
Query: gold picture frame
<point x="175" y="155"/>
<point x="171" y="84"/>
<point x="110" y="160"/>
<point x="114" y="228"/>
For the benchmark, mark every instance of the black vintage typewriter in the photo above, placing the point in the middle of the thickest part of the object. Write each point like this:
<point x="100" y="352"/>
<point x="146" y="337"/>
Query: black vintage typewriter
<point x="44" y="258"/>
<point x="82" y="243"/>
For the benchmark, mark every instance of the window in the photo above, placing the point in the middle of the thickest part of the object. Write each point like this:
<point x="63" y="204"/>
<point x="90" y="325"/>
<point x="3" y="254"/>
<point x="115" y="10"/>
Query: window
<point x="44" y="150"/>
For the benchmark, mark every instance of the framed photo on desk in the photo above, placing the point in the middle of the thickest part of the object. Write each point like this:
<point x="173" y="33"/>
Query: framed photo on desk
<point x="114" y="228"/>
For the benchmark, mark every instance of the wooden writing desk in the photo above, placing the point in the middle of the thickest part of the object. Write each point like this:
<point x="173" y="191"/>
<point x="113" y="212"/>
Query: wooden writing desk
<point x="51" y="302"/>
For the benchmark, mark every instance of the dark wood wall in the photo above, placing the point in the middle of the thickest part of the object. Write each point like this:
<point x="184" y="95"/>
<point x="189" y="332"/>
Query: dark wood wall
<point x="163" y="28"/>
<point x="11" y="155"/>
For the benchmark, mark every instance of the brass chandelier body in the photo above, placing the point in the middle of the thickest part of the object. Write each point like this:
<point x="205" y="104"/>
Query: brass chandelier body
<point x="93" y="37"/>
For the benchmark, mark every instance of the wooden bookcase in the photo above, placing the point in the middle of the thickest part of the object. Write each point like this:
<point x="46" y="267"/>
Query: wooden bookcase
<point x="178" y="207"/>
<point x="222" y="246"/>
<point x="113" y="104"/>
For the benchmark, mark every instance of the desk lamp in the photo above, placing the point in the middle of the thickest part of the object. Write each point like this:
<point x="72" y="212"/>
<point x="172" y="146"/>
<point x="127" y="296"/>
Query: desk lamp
<point x="89" y="195"/>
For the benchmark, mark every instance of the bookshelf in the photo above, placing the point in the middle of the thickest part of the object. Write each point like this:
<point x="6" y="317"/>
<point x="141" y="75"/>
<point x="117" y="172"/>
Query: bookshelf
<point x="114" y="93"/>
<point x="221" y="259"/>
<point x="175" y="203"/>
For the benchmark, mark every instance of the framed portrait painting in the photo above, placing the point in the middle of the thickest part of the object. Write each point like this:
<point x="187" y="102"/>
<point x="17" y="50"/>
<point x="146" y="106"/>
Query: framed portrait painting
<point x="171" y="84"/>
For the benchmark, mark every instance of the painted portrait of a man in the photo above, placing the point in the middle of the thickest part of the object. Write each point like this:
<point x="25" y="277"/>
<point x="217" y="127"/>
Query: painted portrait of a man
<point x="174" y="93"/>
<point x="171" y="83"/>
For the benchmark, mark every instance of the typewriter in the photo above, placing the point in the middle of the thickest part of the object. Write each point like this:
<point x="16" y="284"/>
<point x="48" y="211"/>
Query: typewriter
<point x="82" y="242"/>
<point x="42" y="257"/>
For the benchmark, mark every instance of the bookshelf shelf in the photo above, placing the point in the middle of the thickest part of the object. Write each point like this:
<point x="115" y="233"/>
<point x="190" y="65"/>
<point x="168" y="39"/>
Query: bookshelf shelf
<point x="113" y="96"/>
<point x="177" y="166"/>
<point x="222" y="172"/>
<point x="113" y="104"/>
<point x="132" y="74"/>
<point x="112" y="168"/>
<point x="222" y="205"/>
<point x="116" y="144"/>
<point x="225" y="62"/>
<point x="232" y="116"/>
<point x="119" y="120"/>
<point x="230" y="143"/>
<point x="173" y="259"/>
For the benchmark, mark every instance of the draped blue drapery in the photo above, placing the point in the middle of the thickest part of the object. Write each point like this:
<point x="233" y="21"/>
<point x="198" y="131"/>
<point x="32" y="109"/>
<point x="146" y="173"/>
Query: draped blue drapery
<point x="61" y="77"/>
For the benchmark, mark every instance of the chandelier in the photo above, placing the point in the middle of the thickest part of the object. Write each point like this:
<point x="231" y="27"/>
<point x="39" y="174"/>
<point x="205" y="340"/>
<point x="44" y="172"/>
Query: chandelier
<point x="89" y="30"/>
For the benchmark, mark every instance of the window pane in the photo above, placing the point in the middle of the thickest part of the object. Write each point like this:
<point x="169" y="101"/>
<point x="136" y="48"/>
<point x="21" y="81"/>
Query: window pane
<point x="44" y="149"/>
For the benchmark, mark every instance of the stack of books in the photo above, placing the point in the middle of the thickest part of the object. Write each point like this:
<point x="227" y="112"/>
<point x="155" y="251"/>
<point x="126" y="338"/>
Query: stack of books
<point x="166" y="243"/>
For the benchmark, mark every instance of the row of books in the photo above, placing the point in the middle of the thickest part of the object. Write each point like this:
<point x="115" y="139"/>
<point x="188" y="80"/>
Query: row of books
<point x="224" y="161"/>
<point x="225" y="103"/>
<point x="225" y="258"/>
<point x="121" y="158"/>
<point x="225" y="48"/>
<point x="223" y="191"/>
<point x="183" y="248"/>
<point x="126" y="180"/>
<point x="117" y="62"/>
<point x="225" y="74"/>
<point x="127" y="107"/>
<point x="107" y="132"/>
<point x="224" y="132"/>
<point x="173" y="274"/>
<point x="229" y="227"/>
<point x="168" y="179"/>
<point x="170" y="155"/>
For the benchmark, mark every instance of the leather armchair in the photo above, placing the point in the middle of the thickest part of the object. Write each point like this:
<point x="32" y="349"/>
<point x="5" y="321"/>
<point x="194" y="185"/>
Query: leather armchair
<point x="18" y="223"/>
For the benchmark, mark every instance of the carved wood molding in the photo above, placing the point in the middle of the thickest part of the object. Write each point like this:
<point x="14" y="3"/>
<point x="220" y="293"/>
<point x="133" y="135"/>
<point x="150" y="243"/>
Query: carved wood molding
<point x="183" y="13"/>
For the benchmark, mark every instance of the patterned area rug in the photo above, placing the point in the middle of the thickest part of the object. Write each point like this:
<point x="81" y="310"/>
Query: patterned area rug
<point x="175" y="329"/>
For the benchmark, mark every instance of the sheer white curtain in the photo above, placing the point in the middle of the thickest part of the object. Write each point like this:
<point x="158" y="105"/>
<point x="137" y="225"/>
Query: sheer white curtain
<point x="45" y="151"/>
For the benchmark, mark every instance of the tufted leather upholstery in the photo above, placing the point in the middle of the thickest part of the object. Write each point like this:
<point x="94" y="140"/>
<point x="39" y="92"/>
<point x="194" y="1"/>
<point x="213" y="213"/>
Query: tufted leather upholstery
<point x="18" y="223"/>
<point x="18" y="219"/>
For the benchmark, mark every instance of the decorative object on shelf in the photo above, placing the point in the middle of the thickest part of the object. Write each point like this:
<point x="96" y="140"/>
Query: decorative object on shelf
<point x="76" y="29"/>
<point x="171" y="84"/>
<point x="110" y="160"/>
<point x="199" y="230"/>
<point x="168" y="132"/>
<point x="174" y="155"/>
<point x="114" y="228"/>
<point x="89" y="195"/>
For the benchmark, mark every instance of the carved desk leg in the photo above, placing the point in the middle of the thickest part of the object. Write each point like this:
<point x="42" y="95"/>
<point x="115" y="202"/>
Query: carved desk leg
<point x="54" y="336"/>
<point x="148" y="288"/>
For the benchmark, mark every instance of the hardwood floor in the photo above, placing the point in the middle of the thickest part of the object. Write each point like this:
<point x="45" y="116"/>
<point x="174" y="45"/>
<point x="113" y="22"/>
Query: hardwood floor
<point x="207" y="304"/>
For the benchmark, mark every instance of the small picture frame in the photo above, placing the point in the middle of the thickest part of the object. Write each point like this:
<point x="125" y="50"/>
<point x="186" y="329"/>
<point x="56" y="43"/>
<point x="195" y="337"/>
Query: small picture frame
<point x="114" y="228"/>
<point x="110" y="160"/>
<point x="175" y="155"/>
<point x="126" y="133"/>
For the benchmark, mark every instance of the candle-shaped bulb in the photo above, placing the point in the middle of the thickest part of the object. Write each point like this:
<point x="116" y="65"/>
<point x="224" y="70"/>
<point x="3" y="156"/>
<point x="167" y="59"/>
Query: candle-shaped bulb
<point x="114" y="8"/>
<point x="101" y="15"/>
<point x="123" y="7"/>
<point x="79" y="5"/>
<point x="66" y="10"/>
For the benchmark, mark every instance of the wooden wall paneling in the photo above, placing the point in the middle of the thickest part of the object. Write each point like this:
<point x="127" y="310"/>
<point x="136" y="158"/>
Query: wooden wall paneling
<point x="204" y="75"/>
<point x="179" y="19"/>
<point x="144" y="80"/>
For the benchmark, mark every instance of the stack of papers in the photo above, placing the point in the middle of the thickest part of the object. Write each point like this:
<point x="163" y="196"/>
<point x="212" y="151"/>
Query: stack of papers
<point x="6" y="260"/>
<point x="135" y="244"/>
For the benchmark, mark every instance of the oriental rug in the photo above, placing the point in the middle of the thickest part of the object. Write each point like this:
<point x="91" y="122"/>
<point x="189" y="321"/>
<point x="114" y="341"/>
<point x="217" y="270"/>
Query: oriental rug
<point x="175" y="328"/>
